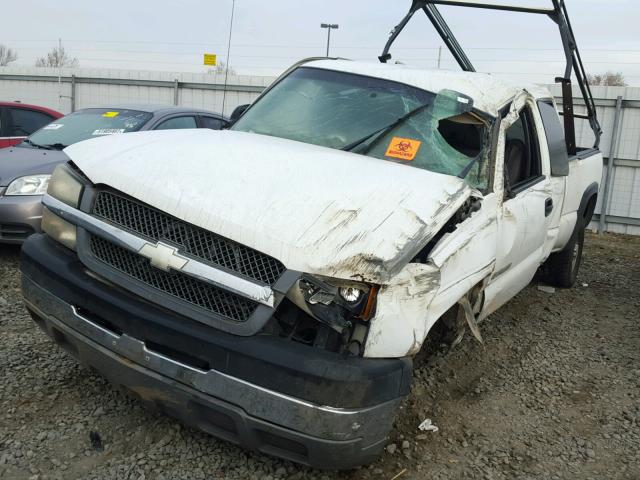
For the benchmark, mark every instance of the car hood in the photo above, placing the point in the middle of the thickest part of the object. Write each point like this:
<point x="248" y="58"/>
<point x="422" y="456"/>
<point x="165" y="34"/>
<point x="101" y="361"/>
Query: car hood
<point x="316" y="209"/>
<point x="20" y="161"/>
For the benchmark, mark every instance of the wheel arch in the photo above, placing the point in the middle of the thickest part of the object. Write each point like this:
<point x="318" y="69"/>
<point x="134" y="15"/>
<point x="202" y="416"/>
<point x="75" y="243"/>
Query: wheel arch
<point x="588" y="203"/>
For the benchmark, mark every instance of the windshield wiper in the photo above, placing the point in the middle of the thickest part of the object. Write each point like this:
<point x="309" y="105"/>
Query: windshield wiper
<point x="37" y="145"/>
<point x="56" y="146"/>
<point x="381" y="132"/>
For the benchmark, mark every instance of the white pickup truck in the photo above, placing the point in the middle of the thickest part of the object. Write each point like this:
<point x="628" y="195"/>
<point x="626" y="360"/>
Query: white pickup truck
<point x="271" y="283"/>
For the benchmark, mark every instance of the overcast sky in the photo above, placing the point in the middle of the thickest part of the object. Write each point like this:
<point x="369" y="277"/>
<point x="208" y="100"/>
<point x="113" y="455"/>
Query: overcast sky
<point x="270" y="35"/>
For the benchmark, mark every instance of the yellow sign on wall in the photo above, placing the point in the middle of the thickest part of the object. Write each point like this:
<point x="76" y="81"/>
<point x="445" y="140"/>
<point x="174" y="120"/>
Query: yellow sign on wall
<point x="210" y="59"/>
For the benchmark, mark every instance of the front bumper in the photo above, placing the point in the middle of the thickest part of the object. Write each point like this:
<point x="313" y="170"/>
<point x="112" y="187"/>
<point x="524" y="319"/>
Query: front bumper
<point x="20" y="216"/>
<point x="224" y="405"/>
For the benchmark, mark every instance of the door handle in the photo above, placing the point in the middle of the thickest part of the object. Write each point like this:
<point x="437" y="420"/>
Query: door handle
<point x="548" y="207"/>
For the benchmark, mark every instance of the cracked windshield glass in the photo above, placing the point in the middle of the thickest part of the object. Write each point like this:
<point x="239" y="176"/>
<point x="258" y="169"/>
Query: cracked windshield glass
<point x="379" y="118"/>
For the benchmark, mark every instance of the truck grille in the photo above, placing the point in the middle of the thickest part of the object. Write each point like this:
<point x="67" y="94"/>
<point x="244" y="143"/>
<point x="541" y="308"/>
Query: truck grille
<point x="178" y="285"/>
<point x="195" y="241"/>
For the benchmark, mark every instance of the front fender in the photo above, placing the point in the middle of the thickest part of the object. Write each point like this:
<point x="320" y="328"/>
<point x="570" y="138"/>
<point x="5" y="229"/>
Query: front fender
<point x="420" y="294"/>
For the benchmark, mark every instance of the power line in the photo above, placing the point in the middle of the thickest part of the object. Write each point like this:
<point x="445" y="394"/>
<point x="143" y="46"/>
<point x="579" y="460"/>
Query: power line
<point x="298" y="46"/>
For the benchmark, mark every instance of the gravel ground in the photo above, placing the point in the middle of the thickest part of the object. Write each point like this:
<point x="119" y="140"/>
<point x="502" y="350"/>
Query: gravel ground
<point x="552" y="394"/>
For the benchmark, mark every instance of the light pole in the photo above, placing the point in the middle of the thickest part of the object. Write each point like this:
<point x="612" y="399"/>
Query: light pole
<point x="329" y="27"/>
<point x="226" y="70"/>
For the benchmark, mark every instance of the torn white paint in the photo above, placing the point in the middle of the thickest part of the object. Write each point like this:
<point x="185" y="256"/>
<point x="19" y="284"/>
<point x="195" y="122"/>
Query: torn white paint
<point x="402" y="316"/>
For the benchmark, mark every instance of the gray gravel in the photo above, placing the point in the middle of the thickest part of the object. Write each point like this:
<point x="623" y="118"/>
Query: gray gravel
<point x="553" y="394"/>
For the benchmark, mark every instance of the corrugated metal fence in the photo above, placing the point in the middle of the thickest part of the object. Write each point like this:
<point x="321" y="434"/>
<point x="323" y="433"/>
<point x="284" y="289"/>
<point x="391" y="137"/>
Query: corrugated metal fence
<point x="623" y="199"/>
<point x="81" y="88"/>
<point x="70" y="90"/>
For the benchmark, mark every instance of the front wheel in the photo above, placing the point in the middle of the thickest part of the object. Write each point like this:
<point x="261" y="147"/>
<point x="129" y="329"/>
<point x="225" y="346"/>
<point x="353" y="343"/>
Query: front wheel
<point x="561" y="268"/>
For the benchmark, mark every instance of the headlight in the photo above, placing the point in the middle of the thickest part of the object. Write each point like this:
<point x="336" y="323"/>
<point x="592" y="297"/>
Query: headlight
<point x="353" y="298"/>
<point x="29" y="185"/>
<point x="351" y="294"/>
<point x="59" y="229"/>
<point x="65" y="186"/>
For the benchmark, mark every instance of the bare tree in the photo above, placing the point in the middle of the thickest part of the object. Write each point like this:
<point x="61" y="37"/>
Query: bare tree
<point x="610" y="79"/>
<point x="56" y="58"/>
<point x="221" y="68"/>
<point x="7" y="55"/>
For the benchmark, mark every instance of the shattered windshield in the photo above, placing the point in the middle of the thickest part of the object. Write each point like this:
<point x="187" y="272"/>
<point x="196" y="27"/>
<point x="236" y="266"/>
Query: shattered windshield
<point x="379" y="118"/>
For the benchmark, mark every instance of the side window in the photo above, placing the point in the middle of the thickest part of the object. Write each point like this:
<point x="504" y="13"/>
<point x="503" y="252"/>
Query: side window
<point x="212" y="123"/>
<point x="522" y="152"/>
<point x="2" y="132"/>
<point x="177" y="123"/>
<point x="24" y="122"/>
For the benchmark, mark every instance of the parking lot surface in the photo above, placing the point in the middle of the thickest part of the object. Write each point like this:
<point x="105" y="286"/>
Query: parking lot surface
<point x="554" y="393"/>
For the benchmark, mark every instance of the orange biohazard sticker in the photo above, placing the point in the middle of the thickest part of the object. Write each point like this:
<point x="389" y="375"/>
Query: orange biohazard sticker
<point x="403" y="148"/>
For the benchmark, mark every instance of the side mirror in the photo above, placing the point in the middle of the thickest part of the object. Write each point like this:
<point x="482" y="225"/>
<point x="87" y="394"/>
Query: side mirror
<point x="237" y="113"/>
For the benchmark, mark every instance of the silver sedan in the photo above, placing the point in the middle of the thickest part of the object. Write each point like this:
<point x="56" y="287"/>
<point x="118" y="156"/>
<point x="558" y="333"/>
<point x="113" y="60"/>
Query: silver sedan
<point x="25" y="169"/>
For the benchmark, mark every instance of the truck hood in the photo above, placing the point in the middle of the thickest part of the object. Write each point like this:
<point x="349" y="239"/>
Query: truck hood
<point x="316" y="209"/>
<point x="20" y="161"/>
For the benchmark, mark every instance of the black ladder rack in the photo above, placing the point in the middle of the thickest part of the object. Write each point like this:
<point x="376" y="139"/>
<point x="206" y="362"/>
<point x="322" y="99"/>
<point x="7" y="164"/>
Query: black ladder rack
<point x="559" y="16"/>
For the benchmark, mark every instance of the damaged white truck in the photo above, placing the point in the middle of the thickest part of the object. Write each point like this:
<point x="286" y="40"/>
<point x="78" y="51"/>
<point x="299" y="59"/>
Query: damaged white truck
<point x="271" y="283"/>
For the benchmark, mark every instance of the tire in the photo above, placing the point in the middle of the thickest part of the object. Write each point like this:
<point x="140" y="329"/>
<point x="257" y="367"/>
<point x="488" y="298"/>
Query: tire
<point x="561" y="268"/>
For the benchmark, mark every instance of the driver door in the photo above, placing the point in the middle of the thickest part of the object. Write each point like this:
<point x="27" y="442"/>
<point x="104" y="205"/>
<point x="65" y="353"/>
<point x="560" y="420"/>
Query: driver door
<point x="525" y="216"/>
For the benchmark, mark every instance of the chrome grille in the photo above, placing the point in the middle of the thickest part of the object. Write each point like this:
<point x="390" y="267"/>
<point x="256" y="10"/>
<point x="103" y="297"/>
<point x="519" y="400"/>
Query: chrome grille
<point x="180" y="286"/>
<point x="195" y="241"/>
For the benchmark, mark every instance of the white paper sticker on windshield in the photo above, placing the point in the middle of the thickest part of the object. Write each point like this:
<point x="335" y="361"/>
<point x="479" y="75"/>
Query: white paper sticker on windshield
<point x="107" y="131"/>
<point x="53" y="126"/>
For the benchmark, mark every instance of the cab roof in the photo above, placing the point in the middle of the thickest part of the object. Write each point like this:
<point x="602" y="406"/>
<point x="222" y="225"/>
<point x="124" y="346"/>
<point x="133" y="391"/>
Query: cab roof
<point x="489" y="93"/>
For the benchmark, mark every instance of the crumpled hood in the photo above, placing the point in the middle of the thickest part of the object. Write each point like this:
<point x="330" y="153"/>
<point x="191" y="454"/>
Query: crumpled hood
<point x="20" y="161"/>
<point x="315" y="209"/>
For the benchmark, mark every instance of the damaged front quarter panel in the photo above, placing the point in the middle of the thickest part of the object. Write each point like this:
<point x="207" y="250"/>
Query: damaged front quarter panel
<point x="404" y="286"/>
<point x="394" y="240"/>
<point x="400" y="324"/>
<point x="413" y="301"/>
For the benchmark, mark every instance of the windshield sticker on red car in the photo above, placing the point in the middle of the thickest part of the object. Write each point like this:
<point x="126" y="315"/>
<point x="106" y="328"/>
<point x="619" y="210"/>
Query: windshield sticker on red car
<point x="110" y="114"/>
<point x="53" y="126"/>
<point x="403" y="148"/>
<point x="107" y="131"/>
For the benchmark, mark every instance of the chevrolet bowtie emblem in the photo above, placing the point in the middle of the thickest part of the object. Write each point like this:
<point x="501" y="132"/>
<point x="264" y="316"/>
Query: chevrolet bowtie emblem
<point x="163" y="256"/>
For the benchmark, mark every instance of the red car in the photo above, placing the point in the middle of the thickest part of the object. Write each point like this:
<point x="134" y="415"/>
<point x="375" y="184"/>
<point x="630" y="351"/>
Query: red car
<point x="19" y="120"/>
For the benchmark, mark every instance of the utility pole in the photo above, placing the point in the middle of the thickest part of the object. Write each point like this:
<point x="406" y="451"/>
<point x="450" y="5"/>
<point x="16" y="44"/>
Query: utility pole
<point x="439" y="56"/>
<point x="226" y="70"/>
<point x="329" y="27"/>
<point x="59" y="73"/>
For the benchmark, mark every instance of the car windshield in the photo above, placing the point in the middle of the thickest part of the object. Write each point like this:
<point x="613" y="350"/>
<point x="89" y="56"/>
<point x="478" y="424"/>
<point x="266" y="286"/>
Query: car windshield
<point x="379" y="118"/>
<point x="88" y="123"/>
